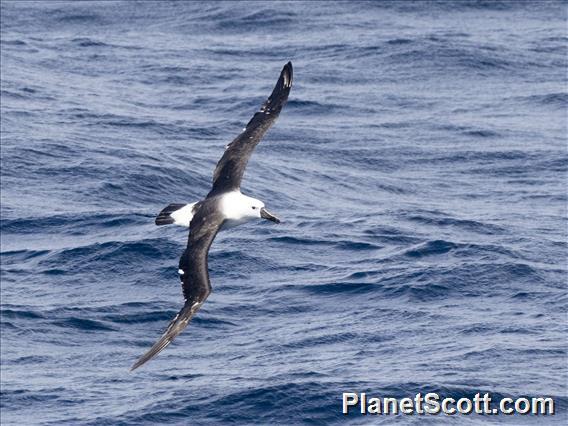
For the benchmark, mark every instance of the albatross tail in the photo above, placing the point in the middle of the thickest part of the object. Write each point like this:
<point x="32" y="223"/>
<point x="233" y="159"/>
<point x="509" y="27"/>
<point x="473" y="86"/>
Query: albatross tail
<point x="177" y="214"/>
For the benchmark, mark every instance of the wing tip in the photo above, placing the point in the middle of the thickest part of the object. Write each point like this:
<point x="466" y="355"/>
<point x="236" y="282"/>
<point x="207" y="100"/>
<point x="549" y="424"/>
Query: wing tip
<point x="135" y="366"/>
<point x="288" y="74"/>
<point x="176" y="326"/>
<point x="152" y="352"/>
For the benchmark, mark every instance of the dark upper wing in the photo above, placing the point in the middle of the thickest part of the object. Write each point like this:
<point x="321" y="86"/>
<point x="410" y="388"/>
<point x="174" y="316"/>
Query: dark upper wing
<point x="195" y="277"/>
<point x="230" y="169"/>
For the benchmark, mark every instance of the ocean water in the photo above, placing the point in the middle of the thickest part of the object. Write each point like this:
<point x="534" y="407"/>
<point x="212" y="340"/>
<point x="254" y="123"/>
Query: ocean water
<point x="419" y="169"/>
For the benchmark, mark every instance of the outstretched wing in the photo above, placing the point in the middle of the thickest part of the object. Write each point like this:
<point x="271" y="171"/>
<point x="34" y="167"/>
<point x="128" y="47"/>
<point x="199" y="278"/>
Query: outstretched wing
<point x="193" y="274"/>
<point x="230" y="169"/>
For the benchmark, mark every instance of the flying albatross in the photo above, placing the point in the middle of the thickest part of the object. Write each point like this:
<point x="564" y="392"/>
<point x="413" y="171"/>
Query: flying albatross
<point x="224" y="207"/>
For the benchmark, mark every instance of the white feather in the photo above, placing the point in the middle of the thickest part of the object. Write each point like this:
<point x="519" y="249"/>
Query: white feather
<point x="183" y="216"/>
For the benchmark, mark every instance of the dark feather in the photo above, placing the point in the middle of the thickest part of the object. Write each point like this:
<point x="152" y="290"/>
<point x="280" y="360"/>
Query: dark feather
<point x="230" y="169"/>
<point x="204" y="226"/>
<point x="165" y="216"/>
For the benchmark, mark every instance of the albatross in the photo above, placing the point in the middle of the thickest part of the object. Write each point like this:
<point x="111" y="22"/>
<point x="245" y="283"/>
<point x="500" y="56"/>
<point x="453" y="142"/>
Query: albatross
<point x="224" y="207"/>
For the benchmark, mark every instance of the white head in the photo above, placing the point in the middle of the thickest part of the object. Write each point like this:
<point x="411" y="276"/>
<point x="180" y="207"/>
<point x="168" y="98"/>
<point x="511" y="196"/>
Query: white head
<point x="240" y="208"/>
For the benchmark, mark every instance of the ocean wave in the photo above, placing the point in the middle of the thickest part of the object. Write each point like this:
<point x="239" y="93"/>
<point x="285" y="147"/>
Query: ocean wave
<point x="557" y="100"/>
<point x="71" y="223"/>
<point x="461" y="224"/>
<point x="258" y="20"/>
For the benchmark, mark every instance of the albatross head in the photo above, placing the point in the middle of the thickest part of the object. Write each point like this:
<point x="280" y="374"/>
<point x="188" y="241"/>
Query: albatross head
<point x="257" y="209"/>
<point x="240" y="208"/>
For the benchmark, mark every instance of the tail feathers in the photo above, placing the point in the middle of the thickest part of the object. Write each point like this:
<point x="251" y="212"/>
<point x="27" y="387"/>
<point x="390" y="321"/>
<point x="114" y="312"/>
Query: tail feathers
<point x="165" y="216"/>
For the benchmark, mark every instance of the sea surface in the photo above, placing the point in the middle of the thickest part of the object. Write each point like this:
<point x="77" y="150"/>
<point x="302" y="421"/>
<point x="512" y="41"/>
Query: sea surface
<point x="419" y="168"/>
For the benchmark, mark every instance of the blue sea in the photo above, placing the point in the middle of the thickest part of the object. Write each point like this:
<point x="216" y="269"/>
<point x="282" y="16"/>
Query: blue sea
<point x="419" y="168"/>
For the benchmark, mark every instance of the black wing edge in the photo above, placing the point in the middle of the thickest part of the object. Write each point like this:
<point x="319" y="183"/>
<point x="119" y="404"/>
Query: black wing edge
<point x="230" y="168"/>
<point x="195" y="278"/>
<point x="282" y="87"/>
<point x="279" y="95"/>
<point x="178" y="324"/>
